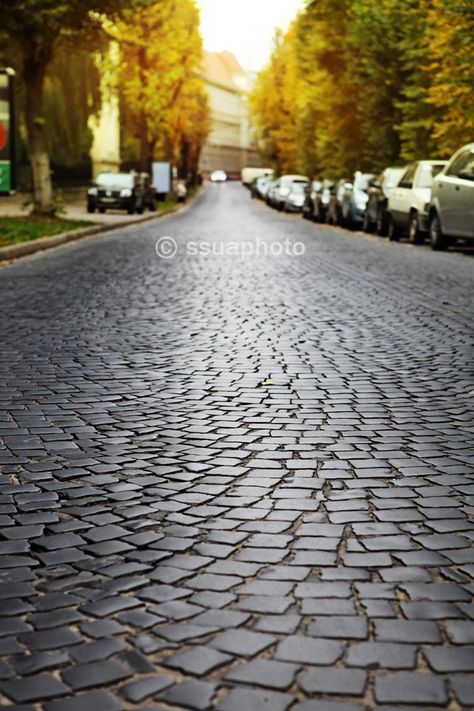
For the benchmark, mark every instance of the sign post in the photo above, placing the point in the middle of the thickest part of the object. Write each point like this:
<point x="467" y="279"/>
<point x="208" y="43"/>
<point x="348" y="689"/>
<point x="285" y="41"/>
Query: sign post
<point x="7" y="131"/>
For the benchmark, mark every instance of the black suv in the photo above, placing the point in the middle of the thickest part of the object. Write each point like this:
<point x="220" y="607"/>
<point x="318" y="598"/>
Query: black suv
<point x="118" y="191"/>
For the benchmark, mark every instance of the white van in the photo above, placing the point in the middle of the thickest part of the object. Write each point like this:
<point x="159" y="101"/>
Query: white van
<point x="249" y="174"/>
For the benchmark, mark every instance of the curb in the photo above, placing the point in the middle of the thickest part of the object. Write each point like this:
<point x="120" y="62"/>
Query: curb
<point x="25" y="248"/>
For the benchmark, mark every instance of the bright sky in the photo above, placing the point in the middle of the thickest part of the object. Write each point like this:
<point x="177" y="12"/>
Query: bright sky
<point x="245" y="27"/>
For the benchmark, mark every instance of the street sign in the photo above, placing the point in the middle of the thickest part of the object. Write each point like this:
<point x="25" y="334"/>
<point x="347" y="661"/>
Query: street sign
<point x="7" y="131"/>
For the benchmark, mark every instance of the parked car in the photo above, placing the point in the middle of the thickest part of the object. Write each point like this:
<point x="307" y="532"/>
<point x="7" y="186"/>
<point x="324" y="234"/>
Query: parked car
<point x="249" y="174"/>
<point x="408" y="202"/>
<point x="282" y="190"/>
<point x="119" y="191"/>
<point x="354" y="199"/>
<point x="334" y="208"/>
<point x="295" y="198"/>
<point x="264" y="186"/>
<point x="375" y="215"/>
<point x="150" y="197"/>
<point x="260" y="185"/>
<point x="310" y="196"/>
<point x="218" y="176"/>
<point x="322" y="200"/>
<point x="270" y="195"/>
<point x="451" y="212"/>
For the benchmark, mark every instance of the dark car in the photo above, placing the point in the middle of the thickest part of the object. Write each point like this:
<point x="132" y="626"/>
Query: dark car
<point x="118" y="191"/>
<point x="376" y="216"/>
<point x="334" y="208"/>
<point x="354" y="200"/>
<point x="310" y="196"/>
<point x="150" y="196"/>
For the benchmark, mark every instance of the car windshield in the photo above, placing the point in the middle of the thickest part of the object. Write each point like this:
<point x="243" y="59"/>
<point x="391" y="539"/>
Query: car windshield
<point x="427" y="173"/>
<point x="298" y="188"/>
<point x="392" y="177"/>
<point x="362" y="181"/>
<point x="116" y="180"/>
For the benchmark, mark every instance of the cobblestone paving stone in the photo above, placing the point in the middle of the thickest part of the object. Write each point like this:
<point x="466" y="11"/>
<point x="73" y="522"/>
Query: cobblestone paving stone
<point x="175" y="535"/>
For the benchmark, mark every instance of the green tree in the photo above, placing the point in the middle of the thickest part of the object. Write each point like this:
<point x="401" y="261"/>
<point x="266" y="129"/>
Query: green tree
<point x="34" y="29"/>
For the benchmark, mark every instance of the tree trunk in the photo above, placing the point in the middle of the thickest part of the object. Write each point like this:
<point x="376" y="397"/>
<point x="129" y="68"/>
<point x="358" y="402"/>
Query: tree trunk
<point x="144" y="145"/>
<point x="34" y="74"/>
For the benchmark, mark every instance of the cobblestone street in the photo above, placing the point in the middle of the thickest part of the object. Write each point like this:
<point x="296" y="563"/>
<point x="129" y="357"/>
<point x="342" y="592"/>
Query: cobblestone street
<point x="240" y="484"/>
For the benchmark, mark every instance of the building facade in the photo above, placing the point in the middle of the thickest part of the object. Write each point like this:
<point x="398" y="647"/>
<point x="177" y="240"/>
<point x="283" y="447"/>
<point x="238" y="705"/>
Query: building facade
<point x="229" y="145"/>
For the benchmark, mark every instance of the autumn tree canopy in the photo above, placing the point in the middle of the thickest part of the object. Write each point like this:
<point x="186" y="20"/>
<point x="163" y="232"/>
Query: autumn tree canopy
<point x="358" y="84"/>
<point x="164" y="100"/>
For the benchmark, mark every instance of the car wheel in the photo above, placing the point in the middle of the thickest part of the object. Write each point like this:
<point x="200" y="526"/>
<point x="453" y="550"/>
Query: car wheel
<point x="438" y="240"/>
<point x="366" y="223"/>
<point x="347" y="221"/>
<point x="90" y="208"/>
<point x="394" y="231"/>
<point x="414" y="234"/>
<point x="382" y="226"/>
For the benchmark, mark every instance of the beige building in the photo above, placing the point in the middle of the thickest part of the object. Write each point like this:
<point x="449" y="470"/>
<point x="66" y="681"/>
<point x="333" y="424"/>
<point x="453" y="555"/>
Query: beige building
<point x="229" y="145"/>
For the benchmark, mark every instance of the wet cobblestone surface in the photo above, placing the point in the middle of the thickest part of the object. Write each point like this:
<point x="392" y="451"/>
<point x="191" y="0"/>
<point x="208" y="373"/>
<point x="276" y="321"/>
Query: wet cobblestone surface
<point x="176" y="534"/>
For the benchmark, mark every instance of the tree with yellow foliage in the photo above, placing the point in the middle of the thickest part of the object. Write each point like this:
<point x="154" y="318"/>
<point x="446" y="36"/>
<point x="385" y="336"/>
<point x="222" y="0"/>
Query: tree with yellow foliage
<point x="451" y="71"/>
<point x="274" y="105"/>
<point x="164" y="101"/>
<point x="359" y="84"/>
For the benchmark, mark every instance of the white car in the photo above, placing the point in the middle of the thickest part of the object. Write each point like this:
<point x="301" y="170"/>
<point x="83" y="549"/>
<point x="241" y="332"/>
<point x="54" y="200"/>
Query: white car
<point x="408" y="202"/>
<point x="218" y="176"/>
<point x="451" y="212"/>
<point x="282" y="189"/>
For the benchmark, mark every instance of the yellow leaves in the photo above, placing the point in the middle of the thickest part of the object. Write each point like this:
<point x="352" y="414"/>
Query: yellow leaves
<point x="162" y="52"/>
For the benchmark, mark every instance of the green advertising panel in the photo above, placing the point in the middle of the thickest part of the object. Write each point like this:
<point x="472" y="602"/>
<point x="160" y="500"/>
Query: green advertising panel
<point x="6" y="131"/>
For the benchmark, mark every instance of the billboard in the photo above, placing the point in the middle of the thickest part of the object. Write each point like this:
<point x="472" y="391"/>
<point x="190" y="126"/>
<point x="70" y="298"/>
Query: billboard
<point x="7" y="131"/>
<point x="161" y="176"/>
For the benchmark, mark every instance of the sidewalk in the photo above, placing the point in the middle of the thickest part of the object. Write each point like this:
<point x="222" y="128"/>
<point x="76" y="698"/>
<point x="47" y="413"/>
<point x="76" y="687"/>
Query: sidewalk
<point x="74" y="208"/>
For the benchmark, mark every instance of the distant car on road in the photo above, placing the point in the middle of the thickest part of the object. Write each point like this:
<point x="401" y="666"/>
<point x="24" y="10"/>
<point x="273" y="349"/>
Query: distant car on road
<point x="282" y="189"/>
<point x="295" y="198"/>
<point x="218" y="176"/>
<point x="354" y="199"/>
<point x="451" y="213"/>
<point x="409" y="201"/>
<point x="119" y="191"/>
<point x="375" y="216"/>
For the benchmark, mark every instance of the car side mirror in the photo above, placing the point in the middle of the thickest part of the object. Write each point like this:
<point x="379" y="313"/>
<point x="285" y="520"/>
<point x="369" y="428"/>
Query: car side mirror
<point x="466" y="174"/>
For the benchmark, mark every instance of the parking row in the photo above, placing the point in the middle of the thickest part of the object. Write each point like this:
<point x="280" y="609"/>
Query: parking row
<point x="425" y="199"/>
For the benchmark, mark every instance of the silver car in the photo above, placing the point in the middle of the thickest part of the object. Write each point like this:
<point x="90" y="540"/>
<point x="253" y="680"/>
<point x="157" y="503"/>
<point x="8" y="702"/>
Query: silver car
<point x="408" y="202"/>
<point x="451" y="213"/>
